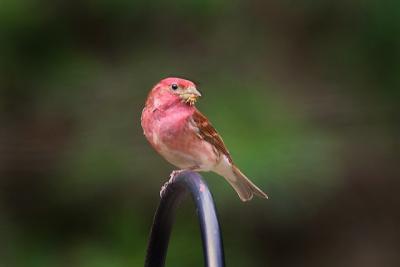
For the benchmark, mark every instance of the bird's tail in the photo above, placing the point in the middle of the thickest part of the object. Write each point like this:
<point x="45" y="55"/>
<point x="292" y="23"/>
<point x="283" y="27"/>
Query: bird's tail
<point x="242" y="185"/>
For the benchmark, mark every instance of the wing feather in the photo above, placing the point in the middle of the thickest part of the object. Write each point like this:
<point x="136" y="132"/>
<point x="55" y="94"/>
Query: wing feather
<point x="207" y="132"/>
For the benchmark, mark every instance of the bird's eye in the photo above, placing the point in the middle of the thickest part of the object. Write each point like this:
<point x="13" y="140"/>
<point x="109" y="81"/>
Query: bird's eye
<point x="174" y="86"/>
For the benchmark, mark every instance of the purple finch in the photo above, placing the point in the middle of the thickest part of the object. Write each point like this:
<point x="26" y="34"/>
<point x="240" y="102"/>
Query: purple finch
<point x="185" y="138"/>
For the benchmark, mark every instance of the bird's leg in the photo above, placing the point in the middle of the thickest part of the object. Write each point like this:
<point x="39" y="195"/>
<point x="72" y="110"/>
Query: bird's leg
<point x="172" y="177"/>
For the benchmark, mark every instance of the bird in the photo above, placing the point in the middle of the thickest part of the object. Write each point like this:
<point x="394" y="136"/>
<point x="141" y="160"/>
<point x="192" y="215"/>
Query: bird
<point x="183" y="136"/>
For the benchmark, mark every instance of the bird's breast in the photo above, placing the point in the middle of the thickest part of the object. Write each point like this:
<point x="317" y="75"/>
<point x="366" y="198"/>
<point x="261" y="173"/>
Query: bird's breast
<point x="164" y="126"/>
<point x="171" y="134"/>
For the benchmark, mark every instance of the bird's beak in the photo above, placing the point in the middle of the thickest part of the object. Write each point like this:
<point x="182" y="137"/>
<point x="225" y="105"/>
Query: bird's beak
<point x="190" y="95"/>
<point x="193" y="90"/>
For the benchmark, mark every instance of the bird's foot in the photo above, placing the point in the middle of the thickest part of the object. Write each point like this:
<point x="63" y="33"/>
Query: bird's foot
<point x="170" y="181"/>
<point x="164" y="189"/>
<point x="174" y="174"/>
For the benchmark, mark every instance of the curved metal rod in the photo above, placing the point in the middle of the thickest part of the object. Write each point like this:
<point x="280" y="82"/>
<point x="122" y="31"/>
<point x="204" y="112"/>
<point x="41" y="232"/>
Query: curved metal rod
<point x="183" y="183"/>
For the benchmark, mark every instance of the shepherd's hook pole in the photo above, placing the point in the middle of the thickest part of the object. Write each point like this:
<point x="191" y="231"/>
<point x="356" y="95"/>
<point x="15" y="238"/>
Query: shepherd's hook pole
<point x="182" y="184"/>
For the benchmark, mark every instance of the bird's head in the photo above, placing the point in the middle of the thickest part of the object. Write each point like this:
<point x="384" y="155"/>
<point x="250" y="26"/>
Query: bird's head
<point x="184" y="89"/>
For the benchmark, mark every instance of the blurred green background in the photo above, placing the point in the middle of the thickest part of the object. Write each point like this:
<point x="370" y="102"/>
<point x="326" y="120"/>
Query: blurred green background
<point x="305" y="94"/>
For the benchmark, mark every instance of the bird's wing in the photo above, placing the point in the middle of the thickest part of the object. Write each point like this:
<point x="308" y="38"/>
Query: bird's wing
<point x="208" y="133"/>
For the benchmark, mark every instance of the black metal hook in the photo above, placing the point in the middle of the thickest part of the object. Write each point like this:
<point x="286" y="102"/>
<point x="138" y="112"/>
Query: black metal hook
<point x="183" y="183"/>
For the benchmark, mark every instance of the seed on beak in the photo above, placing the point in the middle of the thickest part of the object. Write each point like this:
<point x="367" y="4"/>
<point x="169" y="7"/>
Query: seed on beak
<point x="190" y="95"/>
<point x="191" y="99"/>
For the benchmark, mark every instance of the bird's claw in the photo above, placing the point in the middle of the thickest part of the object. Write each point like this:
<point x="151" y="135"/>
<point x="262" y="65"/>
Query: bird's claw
<point x="174" y="174"/>
<point x="164" y="189"/>
<point x="170" y="181"/>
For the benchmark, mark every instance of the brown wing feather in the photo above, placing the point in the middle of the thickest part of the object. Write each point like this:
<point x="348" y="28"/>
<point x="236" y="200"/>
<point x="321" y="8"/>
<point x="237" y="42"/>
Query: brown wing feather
<point x="208" y="133"/>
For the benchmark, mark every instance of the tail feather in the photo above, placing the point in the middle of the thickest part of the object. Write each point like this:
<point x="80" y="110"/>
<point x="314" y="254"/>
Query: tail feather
<point x="242" y="185"/>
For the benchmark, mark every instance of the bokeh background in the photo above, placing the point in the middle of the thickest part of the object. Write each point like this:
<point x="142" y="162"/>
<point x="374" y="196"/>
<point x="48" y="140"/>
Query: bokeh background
<point x="305" y="94"/>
